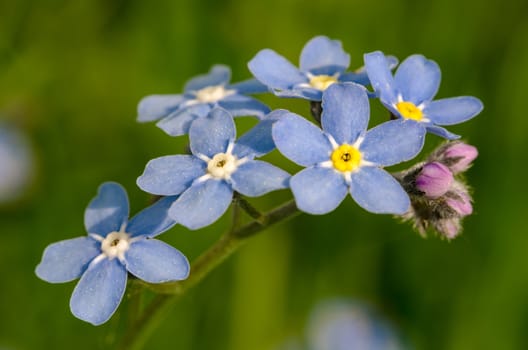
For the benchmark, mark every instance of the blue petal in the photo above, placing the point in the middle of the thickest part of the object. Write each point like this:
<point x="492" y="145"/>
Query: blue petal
<point x="202" y="204"/>
<point x="375" y="190"/>
<point x="152" y="220"/>
<point x="239" y="105"/>
<point x="218" y="75"/>
<point x="321" y="55"/>
<point x="170" y="175"/>
<point x="99" y="291"/>
<point x="154" y="261"/>
<point x="417" y="79"/>
<point x="393" y="142"/>
<point x="318" y="190"/>
<point x="179" y="122"/>
<point x="439" y="131"/>
<point x="307" y="93"/>
<point x="346" y="111"/>
<point x="154" y="107"/>
<point x="250" y="86"/>
<point x="258" y="141"/>
<point x="66" y="260"/>
<point x="275" y="71"/>
<point x="453" y="110"/>
<point x="380" y="76"/>
<point x="360" y="75"/>
<point x="301" y="141"/>
<point x="392" y="61"/>
<point x="255" y="178"/>
<point x="360" y="78"/>
<point x="212" y="135"/>
<point x="108" y="211"/>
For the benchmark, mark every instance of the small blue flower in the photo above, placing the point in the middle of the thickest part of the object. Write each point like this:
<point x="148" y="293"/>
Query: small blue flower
<point x="201" y="95"/>
<point x="343" y="157"/>
<point x="323" y="62"/>
<point x="113" y="246"/>
<point x="409" y="94"/>
<point x="217" y="167"/>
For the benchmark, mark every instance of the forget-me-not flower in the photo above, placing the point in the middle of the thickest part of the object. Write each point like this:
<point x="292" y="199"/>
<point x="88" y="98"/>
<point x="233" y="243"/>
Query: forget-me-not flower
<point x="113" y="247"/>
<point x="217" y="167"/>
<point x="343" y="157"/>
<point x="409" y="94"/>
<point x="323" y="62"/>
<point x="201" y="95"/>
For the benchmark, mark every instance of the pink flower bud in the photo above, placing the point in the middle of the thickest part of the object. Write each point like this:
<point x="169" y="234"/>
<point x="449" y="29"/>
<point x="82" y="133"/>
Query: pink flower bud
<point x="449" y="228"/>
<point x="434" y="180"/>
<point x="461" y="204"/>
<point x="459" y="156"/>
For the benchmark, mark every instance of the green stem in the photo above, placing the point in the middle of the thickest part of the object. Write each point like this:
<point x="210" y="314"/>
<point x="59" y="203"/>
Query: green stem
<point x="243" y="204"/>
<point x="168" y="293"/>
<point x="235" y="212"/>
<point x="135" y="297"/>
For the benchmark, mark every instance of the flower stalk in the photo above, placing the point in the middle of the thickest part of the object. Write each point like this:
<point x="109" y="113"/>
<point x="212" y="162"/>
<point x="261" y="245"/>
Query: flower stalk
<point x="169" y="293"/>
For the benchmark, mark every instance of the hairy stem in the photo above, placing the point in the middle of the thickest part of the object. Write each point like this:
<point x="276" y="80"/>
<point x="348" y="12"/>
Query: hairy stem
<point x="243" y="204"/>
<point x="168" y="293"/>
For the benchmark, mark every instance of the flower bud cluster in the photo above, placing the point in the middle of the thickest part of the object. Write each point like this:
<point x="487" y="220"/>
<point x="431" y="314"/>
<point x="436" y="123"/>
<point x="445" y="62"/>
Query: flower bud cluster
<point x="440" y="198"/>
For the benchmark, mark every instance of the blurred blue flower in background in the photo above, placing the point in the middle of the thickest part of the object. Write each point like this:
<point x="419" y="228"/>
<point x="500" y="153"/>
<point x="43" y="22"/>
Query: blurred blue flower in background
<point x="114" y="246"/>
<point x="342" y="324"/>
<point x="345" y="324"/>
<point x="409" y="94"/>
<point x="201" y="95"/>
<point x="16" y="163"/>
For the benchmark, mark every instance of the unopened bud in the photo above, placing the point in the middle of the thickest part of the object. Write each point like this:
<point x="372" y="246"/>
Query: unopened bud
<point x="458" y="156"/>
<point x="449" y="228"/>
<point x="461" y="203"/>
<point x="434" y="180"/>
<point x="440" y="199"/>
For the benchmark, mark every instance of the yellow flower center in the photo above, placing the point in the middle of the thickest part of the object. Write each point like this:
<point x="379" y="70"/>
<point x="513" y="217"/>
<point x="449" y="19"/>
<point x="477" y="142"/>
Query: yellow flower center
<point x="345" y="158"/>
<point x="408" y="110"/>
<point x="322" y="82"/>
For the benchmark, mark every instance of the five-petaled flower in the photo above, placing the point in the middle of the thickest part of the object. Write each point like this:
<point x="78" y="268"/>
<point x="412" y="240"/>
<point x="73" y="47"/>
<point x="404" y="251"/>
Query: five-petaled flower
<point x="217" y="167"/>
<point x="323" y="62"/>
<point x="201" y="95"/>
<point x="343" y="157"/>
<point x="114" y="246"/>
<point x="409" y="94"/>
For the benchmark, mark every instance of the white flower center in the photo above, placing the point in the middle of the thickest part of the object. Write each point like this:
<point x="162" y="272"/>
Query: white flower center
<point x="115" y="244"/>
<point x="212" y="94"/>
<point x="222" y="165"/>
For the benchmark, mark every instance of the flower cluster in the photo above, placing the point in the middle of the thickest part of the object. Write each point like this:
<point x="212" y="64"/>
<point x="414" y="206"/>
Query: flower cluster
<point x="340" y="154"/>
<point x="440" y="198"/>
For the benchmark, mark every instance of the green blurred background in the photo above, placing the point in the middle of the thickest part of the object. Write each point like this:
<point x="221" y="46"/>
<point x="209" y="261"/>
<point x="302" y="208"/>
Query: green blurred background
<point x="72" y="73"/>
